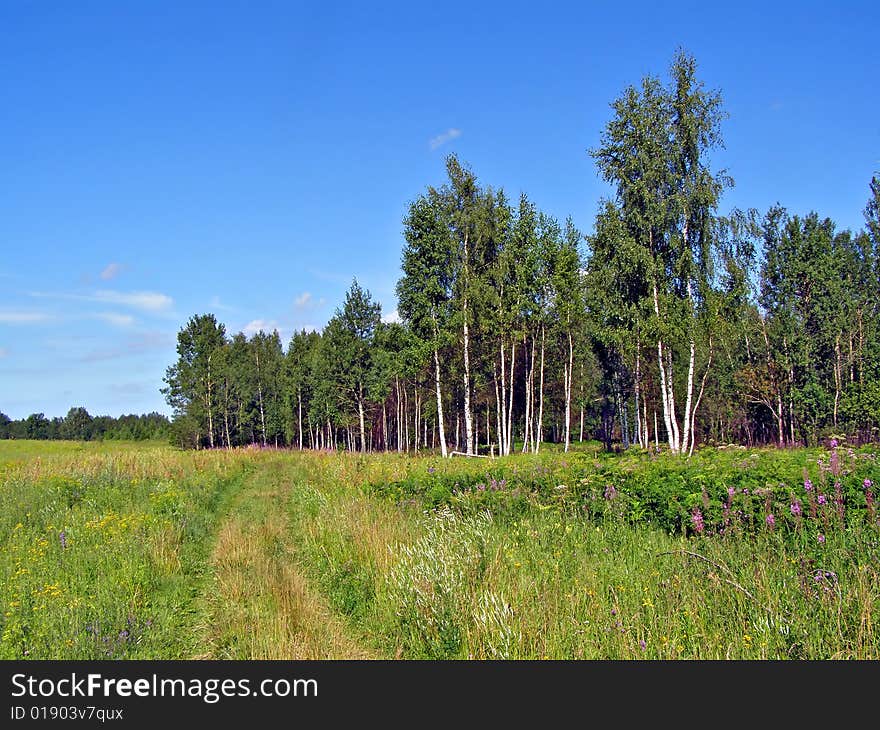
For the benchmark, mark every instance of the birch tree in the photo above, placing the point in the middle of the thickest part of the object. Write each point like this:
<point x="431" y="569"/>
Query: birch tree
<point x="424" y="291"/>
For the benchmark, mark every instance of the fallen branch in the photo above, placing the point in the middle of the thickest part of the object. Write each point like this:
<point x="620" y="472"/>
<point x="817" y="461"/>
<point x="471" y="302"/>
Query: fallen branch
<point x="462" y="453"/>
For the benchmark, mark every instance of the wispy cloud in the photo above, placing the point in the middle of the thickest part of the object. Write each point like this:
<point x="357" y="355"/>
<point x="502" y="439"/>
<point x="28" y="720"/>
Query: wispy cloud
<point x="12" y="316"/>
<point x="441" y="139"/>
<point x="257" y="325"/>
<point x="146" y="342"/>
<point x="114" y="318"/>
<point x="146" y="301"/>
<point x="303" y="300"/>
<point x="111" y="271"/>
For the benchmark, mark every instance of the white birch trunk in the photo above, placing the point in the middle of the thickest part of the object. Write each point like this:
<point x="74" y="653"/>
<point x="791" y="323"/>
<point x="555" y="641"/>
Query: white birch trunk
<point x="664" y="390"/>
<point x="440" y="428"/>
<point x="468" y="421"/>
<point x="568" y="379"/>
<point x="509" y="446"/>
<point x="687" y="418"/>
<point x="540" y="429"/>
<point x="693" y="433"/>
<point x="530" y="395"/>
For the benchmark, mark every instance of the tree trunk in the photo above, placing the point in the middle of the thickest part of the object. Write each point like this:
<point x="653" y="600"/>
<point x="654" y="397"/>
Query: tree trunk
<point x="499" y="404"/>
<point x="568" y="373"/>
<point x="262" y="412"/>
<point x="226" y="412"/>
<point x="208" y="400"/>
<point x="488" y="428"/>
<point x="399" y="412"/>
<point x="664" y="389"/>
<point x="502" y="431"/>
<point x="299" y="419"/>
<point x="540" y="430"/>
<point x="441" y="430"/>
<point x="361" y="419"/>
<point x="509" y="446"/>
<point x="838" y="377"/>
<point x="405" y="419"/>
<point x="416" y="418"/>
<point x="637" y="386"/>
<point x="693" y="431"/>
<point x="468" y="420"/>
<point x="687" y="418"/>
<point x="529" y="382"/>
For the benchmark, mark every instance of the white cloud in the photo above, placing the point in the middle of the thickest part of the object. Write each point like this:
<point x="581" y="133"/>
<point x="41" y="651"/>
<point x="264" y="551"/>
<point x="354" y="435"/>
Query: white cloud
<point x="111" y="271"/>
<point x="143" y="343"/>
<point x="303" y="300"/>
<point x="441" y="139"/>
<point x="256" y="325"/>
<point x="120" y="320"/>
<point x="148" y="301"/>
<point x="392" y="317"/>
<point x="19" y="317"/>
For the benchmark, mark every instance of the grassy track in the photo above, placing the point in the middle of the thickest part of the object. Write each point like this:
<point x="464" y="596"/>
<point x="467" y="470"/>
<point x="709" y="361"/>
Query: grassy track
<point x="259" y="605"/>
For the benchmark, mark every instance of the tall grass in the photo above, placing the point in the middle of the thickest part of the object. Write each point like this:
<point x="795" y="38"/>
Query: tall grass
<point x="103" y="549"/>
<point x="151" y="552"/>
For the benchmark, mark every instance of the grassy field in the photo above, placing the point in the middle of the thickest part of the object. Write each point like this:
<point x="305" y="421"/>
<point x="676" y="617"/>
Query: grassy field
<point x="144" y="551"/>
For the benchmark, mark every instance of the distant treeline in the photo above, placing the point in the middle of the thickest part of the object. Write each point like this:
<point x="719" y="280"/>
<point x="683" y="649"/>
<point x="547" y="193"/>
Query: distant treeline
<point x="669" y="325"/>
<point x="80" y="426"/>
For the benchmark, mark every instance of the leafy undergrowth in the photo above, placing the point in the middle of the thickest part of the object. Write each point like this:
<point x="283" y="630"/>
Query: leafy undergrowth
<point x="732" y="489"/>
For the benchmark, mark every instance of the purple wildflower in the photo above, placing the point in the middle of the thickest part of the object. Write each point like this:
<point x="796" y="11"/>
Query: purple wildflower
<point x="808" y="485"/>
<point x="610" y="492"/>
<point x="730" y="492"/>
<point x="821" y="499"/>
<point x="833" y="443"/>
<point x="62" y="538"/>
<point x="867" y="484"/>
<point x="770" y="520"/>
<point x="643" y="644"/>
<point x="796" y="507"/>
<point x="869" y="499"/>
<point x="834" y="466"/>
<point x="820" y="537"/>
<point x="697" y="520"/>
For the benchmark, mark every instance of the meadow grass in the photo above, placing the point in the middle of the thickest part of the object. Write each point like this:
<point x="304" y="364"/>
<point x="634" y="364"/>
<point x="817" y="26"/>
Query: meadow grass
<point x="104" y="547"/>
<point x="277" y="554"/>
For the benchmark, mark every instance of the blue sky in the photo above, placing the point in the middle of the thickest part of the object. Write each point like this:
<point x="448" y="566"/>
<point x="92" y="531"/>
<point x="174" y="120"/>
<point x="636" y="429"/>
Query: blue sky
<point x="249" y="159"/>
